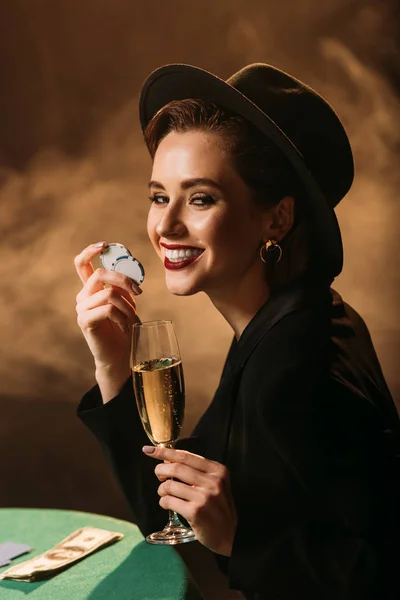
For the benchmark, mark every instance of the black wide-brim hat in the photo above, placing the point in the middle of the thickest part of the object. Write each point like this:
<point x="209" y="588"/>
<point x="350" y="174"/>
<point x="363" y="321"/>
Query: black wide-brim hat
<point x="297" y="119"/>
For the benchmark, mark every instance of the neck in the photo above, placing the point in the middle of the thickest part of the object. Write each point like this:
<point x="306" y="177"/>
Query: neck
<point x="239" y="304"/>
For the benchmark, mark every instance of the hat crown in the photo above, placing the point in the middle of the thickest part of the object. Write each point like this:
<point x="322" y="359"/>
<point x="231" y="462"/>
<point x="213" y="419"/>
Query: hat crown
<point x="307" y="119"/>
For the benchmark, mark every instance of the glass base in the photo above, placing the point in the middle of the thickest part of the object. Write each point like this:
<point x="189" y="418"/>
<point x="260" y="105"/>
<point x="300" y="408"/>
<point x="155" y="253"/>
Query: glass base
<point x="172" y="535"/>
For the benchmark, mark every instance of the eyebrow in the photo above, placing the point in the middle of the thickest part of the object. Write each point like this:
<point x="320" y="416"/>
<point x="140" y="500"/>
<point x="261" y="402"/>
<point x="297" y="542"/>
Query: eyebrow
<point x="188" y="183"/>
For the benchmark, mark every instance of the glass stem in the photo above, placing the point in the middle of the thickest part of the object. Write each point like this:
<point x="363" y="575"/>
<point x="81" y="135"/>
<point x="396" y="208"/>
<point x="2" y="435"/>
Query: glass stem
<point x="173" y="519"/>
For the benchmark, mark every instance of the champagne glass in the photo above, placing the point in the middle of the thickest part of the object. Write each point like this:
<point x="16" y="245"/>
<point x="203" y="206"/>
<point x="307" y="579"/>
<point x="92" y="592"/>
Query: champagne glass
<point x="160" y="396"/>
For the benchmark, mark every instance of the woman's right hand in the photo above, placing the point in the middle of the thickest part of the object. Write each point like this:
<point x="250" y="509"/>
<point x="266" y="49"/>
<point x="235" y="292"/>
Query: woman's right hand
<point x="106" y="316"/>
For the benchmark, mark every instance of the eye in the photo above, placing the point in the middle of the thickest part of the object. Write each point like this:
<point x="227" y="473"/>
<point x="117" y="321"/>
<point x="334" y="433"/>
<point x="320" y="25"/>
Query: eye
<point x="158" y="199"/>
<point x="202" y="200"/>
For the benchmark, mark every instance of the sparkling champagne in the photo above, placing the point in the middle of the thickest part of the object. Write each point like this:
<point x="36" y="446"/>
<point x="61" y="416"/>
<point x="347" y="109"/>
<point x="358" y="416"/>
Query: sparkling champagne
<point x="160" y="396"/>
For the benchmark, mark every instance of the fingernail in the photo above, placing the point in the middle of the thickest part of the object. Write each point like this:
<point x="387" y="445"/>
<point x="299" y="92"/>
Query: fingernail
<point x="148" y="449"/>
<point x="136" y="289"/>
<point x="100" y="244"/>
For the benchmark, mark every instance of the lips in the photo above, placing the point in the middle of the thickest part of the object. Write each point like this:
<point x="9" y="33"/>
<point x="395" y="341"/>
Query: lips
<point x="178" y="247"/>
<point x="174" y="262"/>
<point x="176" y="266"/>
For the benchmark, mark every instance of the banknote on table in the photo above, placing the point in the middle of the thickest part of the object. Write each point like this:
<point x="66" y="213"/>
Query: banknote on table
<point x="76" y="546"/>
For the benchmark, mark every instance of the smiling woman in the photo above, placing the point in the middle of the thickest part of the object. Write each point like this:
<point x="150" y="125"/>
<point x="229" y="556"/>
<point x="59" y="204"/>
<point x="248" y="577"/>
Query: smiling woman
<point x="221" y="142"/>
<point x="290" y="477"/>
<point x="221" y="219"/>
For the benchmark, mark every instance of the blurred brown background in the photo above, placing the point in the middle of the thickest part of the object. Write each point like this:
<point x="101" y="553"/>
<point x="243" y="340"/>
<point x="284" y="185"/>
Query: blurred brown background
<point x="74" y="170"/>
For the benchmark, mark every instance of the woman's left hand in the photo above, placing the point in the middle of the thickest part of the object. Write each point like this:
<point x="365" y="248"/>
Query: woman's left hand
<point x="202" y="495"/>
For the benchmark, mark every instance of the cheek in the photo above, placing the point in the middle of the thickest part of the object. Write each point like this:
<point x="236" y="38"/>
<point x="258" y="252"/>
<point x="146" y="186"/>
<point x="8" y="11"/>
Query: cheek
<point x="234" y="240"/>
<point x="222" y="237"/>
<point x="226" y="229"/>
<point x="151" y="229"/>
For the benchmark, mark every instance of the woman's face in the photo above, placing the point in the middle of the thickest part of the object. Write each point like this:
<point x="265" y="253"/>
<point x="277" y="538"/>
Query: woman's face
<point x="203" y="221"/>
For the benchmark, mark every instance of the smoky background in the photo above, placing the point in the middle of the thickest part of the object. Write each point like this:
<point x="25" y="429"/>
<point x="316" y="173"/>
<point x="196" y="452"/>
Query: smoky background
<point x="74" y="170"/>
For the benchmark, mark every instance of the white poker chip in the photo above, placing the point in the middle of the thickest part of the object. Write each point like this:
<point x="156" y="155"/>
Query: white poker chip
<point x="111" y="253"/>
<point x="130" y="266"/>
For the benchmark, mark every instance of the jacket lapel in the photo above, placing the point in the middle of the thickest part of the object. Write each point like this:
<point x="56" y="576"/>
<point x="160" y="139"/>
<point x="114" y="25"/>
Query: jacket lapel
<point x="289" y="299"/>
<point x="221" y="410"/>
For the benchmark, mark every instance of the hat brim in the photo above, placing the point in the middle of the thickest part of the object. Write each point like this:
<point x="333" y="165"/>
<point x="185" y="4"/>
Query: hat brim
<point x="179" y="82"/>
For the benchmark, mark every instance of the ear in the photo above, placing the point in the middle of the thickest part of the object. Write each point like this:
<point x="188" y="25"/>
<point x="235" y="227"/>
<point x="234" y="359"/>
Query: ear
<point x="279" y="220"/>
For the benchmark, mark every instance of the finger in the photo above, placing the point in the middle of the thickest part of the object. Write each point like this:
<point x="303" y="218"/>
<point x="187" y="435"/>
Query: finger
<point x="184" y="473"/>
<point x="101" y="277"/>
<point x="180" y="490"/>
<point x="89" y="320"/>
<point x="130" y="297"/>
<point x="183" y="507"/>
<point x="82" y="296"/>
<point x="82" y="261"/>
<point x="182" y="456"/>
<point x="121" y="300"/>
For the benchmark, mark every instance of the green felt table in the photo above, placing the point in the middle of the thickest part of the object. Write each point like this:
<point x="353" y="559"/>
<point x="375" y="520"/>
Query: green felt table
<point x="130" y="569"/>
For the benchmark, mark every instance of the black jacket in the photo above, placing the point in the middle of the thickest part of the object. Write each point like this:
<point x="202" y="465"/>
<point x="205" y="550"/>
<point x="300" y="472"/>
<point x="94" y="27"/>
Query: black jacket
<point x="305" y="423"/>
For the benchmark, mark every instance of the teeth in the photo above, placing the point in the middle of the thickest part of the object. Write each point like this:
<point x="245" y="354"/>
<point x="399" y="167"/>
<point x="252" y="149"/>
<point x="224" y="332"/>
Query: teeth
<point x="179" y="255"/>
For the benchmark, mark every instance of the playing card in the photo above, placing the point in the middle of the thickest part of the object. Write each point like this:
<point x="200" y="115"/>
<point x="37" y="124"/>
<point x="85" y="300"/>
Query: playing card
<point x="10" y="550"/>
<point x="4" y="564"/>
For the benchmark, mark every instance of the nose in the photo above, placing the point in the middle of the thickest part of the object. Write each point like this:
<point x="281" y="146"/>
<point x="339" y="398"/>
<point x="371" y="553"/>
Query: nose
<point x="171" y="223"/>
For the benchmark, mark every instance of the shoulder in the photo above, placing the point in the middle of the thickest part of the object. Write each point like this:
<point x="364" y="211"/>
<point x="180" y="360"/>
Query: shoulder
<point x="298" y="336"/>
<point x="291" y="341"/>
<point x="291" y="361"/>
<point x="346" y="321"/>
<point x="350" y="336"/>
<point x="354" y="362"/>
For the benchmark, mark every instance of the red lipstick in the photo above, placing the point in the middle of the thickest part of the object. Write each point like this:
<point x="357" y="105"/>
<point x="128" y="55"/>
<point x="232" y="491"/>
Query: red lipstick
<point x="178" y="246"/>
<point x="175" y="266"/>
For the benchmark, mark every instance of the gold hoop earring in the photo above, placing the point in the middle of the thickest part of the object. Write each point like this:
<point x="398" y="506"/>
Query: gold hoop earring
<point x="271" y="247"/>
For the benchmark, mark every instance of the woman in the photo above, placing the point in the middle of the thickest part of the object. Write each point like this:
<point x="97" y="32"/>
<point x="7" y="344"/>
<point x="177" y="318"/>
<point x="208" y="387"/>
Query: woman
<point x="287" y="476"/>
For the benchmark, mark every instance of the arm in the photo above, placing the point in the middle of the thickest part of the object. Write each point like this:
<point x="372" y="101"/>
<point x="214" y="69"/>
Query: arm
<point x="116" y="425"/>
<point x="106" y="310"/>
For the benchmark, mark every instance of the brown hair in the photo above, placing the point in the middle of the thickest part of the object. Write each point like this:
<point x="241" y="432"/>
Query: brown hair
<point x="260" y="164"/>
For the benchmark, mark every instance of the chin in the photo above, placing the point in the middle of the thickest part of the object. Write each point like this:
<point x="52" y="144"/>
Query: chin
<point x="182" y="289"/>
<point x="184" y="292"/>
<point x="179" y="291"/>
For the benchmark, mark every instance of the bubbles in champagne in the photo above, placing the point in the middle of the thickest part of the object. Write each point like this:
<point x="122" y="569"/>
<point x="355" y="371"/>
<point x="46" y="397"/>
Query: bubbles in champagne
<point x="160" y="396"/>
